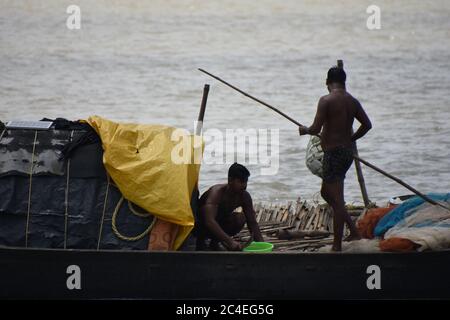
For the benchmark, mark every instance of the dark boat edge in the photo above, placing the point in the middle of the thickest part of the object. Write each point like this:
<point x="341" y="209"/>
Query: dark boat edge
<point x="32" y="273"/>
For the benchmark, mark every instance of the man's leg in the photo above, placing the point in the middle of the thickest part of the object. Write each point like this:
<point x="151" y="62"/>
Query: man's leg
<point x="334" y="195"/>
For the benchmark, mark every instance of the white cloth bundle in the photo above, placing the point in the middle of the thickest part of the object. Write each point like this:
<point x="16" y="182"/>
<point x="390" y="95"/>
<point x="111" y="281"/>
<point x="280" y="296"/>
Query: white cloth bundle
<point x="429" y="227"/>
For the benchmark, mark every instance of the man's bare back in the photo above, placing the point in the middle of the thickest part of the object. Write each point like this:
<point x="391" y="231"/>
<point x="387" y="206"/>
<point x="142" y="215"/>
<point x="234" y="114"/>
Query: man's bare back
<point x="335" y="115"/>
<point x="341" y="109"/>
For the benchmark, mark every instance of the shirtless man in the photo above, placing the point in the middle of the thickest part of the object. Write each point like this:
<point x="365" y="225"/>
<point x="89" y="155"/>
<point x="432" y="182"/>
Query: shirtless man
<point x="335" y="114"/>
<point x="217" y="219"/>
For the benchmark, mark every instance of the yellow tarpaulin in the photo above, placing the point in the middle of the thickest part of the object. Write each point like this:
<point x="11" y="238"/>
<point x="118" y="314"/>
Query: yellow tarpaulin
<point x="144" y="162"/>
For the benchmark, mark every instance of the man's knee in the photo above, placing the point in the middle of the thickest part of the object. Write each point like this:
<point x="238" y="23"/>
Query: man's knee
<point x="327" y="192"/>
<point x="234" y="224"/>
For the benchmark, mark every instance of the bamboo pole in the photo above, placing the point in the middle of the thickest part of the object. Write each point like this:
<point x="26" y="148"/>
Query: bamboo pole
<point x="251" y="97"/>
<point x="201" y="114"/>
<point x="361" y="181"/>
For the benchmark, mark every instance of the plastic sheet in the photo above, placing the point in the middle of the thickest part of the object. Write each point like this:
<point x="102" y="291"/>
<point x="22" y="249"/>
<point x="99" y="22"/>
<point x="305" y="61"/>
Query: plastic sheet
<point x="86" y="190"/>
<point x="139" y="158"/>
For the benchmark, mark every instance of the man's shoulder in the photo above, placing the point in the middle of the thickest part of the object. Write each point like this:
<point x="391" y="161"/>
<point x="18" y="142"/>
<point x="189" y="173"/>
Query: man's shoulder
<point x="246" y="196"/>
<point x="324" y="101"/>
<point x="337" y="98"/>
<point x="217" y="186"/>
<point x="218" y="189"/>
<point x="214" y="194"/>
<point x="325" y="97"/>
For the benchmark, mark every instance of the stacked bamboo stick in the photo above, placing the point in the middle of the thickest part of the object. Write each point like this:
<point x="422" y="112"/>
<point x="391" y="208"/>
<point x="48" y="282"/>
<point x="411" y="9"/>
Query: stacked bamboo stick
<point x="301" y="226"/>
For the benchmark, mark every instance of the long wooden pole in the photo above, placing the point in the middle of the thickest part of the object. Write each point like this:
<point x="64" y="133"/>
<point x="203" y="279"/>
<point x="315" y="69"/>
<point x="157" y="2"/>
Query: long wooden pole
<point x="201" y="114"/>
<point x="362" y="184"/>
<point x="252" y="97"/>
<point x="354" y="156"/>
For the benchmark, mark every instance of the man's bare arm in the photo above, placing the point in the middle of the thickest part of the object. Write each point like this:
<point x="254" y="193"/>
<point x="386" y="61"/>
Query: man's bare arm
<point x="210" y="214"/>
<point x="251" y="217"/>
<point x="362" y="117"/>
<point x="319" y="119"/>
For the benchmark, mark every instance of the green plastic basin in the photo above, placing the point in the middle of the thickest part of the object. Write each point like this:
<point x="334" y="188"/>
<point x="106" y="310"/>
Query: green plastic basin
<point x="259" y="247"/>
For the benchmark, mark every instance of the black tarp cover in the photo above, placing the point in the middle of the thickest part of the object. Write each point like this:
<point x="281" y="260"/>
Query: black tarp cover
<point x="77" y="185"/>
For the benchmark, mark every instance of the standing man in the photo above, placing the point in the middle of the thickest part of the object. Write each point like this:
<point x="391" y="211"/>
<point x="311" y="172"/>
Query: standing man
<point x="218" y="221"/>
<point x="334" y="119"/>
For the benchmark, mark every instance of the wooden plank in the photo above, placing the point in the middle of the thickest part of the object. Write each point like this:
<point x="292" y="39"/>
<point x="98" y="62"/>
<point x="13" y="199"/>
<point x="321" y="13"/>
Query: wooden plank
<point x="299" y="209"/>
<point x="327" y="218"/>
<point x="287" y="212"/>
<point x="297" y="224"/>
<point x="322" y="218"/>
<point x="294" y="217"/>
<point x="258" y="216"/>
<point x="277" y="214"/>
<point x="281" y="214"/>
<point x="264" y="215"/>
<point x="285" y="216"/>
<point x="303" y="216"/>
<point x="269" y="213"/>
<point x="319" y="221"/>
<point x="330" y="223"/>
<point x="311" y="219"/>
<point x="309" y="216"/>
<point x="318" y="215"/>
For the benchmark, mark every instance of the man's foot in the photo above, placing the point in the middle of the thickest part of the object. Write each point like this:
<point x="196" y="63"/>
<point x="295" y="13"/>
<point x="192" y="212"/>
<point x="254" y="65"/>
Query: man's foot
<point x="336" y="248"/>
<point x="353" y="237"/>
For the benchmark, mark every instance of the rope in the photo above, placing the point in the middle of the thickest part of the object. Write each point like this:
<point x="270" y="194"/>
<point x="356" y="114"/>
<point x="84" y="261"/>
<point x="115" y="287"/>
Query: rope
<point x="126" y="238"/>
<point x="66" y="200"/>
<point x="29" y="189"/>
<point x="139" y="214"/>
<point x="103" y="215"/>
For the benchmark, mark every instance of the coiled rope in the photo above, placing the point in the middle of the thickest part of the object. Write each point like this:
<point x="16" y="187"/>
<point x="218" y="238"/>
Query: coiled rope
<point x="142" y="215"/>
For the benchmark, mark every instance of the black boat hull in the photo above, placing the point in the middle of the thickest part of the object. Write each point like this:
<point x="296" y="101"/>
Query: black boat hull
<point x="45" y="273"/>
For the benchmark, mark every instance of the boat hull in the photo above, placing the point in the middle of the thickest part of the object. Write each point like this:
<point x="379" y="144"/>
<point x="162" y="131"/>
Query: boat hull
<point x="46" y="274"/>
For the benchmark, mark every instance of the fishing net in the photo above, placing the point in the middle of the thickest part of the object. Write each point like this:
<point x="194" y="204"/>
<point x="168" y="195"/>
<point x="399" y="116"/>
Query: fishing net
<point x="314" y="156"/>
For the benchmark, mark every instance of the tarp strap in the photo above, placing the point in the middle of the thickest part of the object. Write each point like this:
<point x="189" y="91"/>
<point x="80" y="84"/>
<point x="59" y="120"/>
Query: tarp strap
<point x="103" y="214"/>
<point x="66" y="200"/>
<point x="1" y="135"/>
<point x="29" y="188"/>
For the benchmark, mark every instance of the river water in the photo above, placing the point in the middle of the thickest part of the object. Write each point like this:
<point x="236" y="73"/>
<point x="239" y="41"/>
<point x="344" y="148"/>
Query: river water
<point x="136" y="61"/>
